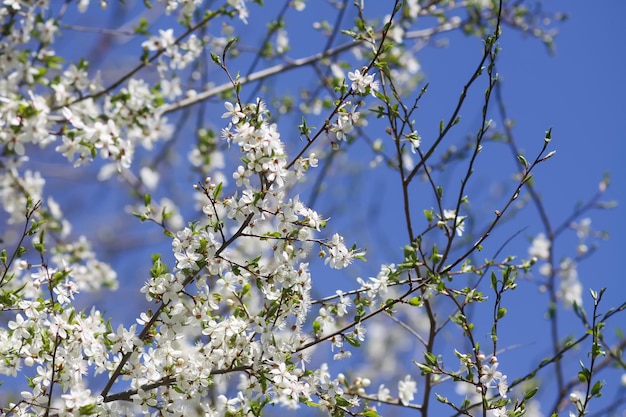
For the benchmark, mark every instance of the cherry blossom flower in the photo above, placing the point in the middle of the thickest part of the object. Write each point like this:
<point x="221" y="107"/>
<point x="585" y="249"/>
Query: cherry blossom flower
<point x="339" y="255"/>
<point x="234" y="112"/>
<point x="20" y="327"/>
<point x="570" y="288"/>
<point x="540" y="247"/>
<point x="451" y="215"/>
<point x="407" y="388"/>
<point x="499" y="412"/>
<point x="383" y="393"/>
<point x="363" y="83"/>
<point x="489" y="374"/>
<point x="165" y="40"/>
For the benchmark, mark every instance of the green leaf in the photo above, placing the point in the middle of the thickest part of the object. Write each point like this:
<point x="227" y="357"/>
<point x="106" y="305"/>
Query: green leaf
<point x="231" y="43"/>
<point x="429" y="215"/>
<point x="217" y="191"/>
<point x="140" y="216"/>
<point x="548" y="137"/>
<point x="144" y="56"/>
<point x="341" y="401"/>
<point x="584" y="375"/>
<point x="431" y="359"/>
<point x="39" y="247"/>
<point x="596" y="391"/>
<point x="87" y="410"/>
<point x="442" y="399"/>
<point x="530" y="393"/>
<point x="526" y="179"/>
<point x="549" y="155"/>
<point x="522" y="160"/>
<point x="352" y="340"/>
<point x="142" y="28"/>
<point x="316" y="327"/>
<point x="416" y="301"/>
<point x="424" y="368"/>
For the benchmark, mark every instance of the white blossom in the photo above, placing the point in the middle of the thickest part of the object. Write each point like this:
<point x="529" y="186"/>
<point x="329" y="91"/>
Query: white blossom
<point x="540" y="247"/>
<point x="363" y="83"/>
<point x="407" y="388"/>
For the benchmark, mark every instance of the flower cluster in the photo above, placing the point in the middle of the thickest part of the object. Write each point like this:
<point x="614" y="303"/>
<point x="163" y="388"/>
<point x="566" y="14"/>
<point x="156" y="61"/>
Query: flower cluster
<point x="346" y="121"/>
<point x="457" y="222"/>
<point x="259" y="141"/>
<point x="233" y="296"/>
<point x="363" y="83"/>
<point x="570" y="288"/>
<point x="490" y="377"/>
<point x="339" y="256"/>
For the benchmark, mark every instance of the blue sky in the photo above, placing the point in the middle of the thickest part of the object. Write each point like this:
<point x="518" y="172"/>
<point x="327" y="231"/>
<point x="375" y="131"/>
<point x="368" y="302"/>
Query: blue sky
<point x="579" y="93"/>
